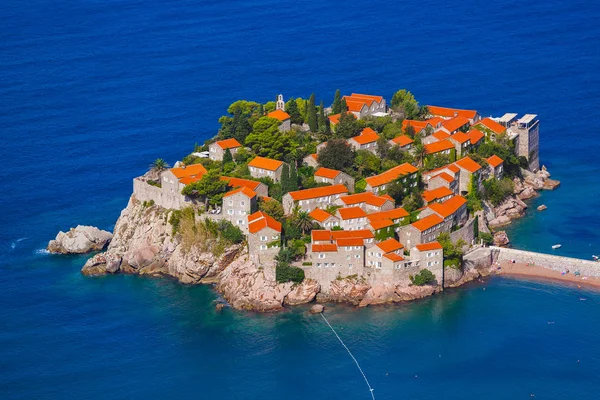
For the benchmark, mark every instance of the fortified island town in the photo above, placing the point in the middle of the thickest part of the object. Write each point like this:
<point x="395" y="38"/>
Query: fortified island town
<point x="359" y="202"/>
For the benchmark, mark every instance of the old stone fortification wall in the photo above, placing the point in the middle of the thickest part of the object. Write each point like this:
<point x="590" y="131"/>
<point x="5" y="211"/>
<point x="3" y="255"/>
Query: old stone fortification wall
<point x="556" y="263"/>
<point x="145" y="192"/>
<point x="465" y="233"/>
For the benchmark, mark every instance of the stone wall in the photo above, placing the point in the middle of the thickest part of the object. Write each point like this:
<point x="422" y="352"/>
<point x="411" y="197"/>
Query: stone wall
<point x="465" y="233"/>
<point x="556" y="263"/>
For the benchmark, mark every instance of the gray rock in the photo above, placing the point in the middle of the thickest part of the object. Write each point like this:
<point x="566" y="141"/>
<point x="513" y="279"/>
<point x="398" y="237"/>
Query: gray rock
<point x="500" y="221"/>
<point x="527" y="193"/>
<point x="501" y="239"/>
<point x="317" y="309"/>
<point x="80" y="240"/>
<point x="542" y="207"/>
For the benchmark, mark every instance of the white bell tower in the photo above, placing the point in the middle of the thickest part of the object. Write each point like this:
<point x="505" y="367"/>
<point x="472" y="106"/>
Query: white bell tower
<point x="280" y="103"/>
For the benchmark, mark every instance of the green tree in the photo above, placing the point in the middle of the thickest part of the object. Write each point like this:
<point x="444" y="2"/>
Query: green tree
<point x="403" y="101"/>
<point x="272" y="207"/>
<point x="497" y="190"/>
<point x="227" y="157"/>
<point x="412" y="202"/>
<point x="336" y="107"/>
<point x="303" y="221"/>
<point x="396" y="191"/>
<point x="438" y="160"/>
<point x="159" y="165"/>
<point x="311" y="114"/>
<point x="419" y="152"/>
<point x="383" y="147"/>
<point x="424" y="277"/>
<point x="366" y="163"/>
<point x="392" y="130"/>
<point x="285" y="179"/>
<point x="343" y="106"/>
<point x="337" y="154"/>
<point x="473" y="199"/>
<point x="293" y="181"/>
<point x="291" y="107"/>
<point x="347" y="126"/>
<point x="210" y="188"/>
<point x="268" y="141"/>
<point x="322" y="120"/>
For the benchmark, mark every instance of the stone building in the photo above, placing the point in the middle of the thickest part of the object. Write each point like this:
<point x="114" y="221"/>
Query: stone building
<point x="237" y="205"/>
<point x="260" y="188"/>
<point x="447" y="176"/>
<point x="469" y="169"/>
<point x="352" y="218"/>
<point x="420" y="128"/>
<point x="324" y="219"/>
<point x="406" y="172"/>
<point x="455" y="125"/>
<point x="217" y="149"/>
<point x="437" y="195"/>
<point x="264" y="237"/>
<point x="368" y="201"/>
<point x="309" y="199"/>
<point x="363" y="105"/>
<point x="261" y="167"/>
<point x="311" y="160"/>
<point x="461" y="142"/>
<point x="367" y="140"/>
<point x="424" y="230"/>
<point x="431" y="257"/>
<point x="283" y="117"/>
<point x="453" y="211"/>
<point x="496" y="166"/>
<point x="334" y="177"/>
<point x="440" y="147"/>
<point x="385" y="256"/>
<point x="448" y="113"/>
<point x="525" y="132"/>
<point x="404" y="142"/>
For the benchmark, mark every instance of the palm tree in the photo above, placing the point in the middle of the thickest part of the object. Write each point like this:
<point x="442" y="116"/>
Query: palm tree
<point x="159" y="165"/>
<point x="303" y="221"/>
<point x="419" y="152"/>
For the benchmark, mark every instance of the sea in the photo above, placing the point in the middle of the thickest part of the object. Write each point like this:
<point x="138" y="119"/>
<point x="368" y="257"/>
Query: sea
<point x="92" y="91"/>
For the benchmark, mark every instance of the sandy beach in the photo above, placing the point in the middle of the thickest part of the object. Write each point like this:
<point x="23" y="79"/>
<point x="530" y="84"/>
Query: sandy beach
<point x="535" y="272"/>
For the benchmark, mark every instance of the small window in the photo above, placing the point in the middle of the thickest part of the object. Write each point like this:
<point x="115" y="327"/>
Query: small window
<point x="321" y="255"/>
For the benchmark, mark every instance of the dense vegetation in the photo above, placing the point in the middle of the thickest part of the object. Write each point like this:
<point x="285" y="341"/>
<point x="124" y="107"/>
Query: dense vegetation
<point x="424" y="277"/>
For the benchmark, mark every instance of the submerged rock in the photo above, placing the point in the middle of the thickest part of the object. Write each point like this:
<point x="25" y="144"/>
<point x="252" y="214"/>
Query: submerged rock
<point x="80" y="240"/>
<point x="317" y="309"/>
<point x="542" y="207"/>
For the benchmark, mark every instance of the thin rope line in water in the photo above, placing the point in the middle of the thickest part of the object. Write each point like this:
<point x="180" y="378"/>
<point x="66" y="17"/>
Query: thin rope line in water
<point x="349" y="352"/>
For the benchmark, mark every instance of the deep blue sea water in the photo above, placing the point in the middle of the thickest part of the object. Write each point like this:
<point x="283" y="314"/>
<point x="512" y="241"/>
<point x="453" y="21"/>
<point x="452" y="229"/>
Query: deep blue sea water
<point x="92" y="91"/>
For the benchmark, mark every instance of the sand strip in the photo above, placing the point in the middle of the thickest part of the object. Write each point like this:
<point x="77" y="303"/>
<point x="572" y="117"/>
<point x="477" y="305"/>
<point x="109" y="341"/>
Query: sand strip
<point x="520" y="270"/>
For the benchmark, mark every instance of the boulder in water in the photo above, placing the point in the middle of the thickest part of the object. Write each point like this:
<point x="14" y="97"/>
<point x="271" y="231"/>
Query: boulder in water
<point x="80" y="240"/>
<point x="317" y="309"/>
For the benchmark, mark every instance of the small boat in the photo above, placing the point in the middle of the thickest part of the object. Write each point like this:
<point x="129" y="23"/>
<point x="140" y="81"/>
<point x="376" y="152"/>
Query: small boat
<point x="557" y="246"/>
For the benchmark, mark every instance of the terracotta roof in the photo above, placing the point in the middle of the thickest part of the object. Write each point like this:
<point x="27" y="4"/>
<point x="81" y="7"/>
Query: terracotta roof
<point x="318" y="235"/>
<point x="381" y="223"/>
<point x="427" y="222"/>
<point x="402" y="140"/>
<point x="228" y="144"/>
<point x="318" y="192"/>
<point x="455" y="123"/>
<point x="190" y="179"/>
<point x="369" y="198"/>
<point x="451" y="112"/>
<point x="460" y="137"/>
<point x="435" y="121"/>
<point x="476" y="135"/>
<point x="334" y="119"/>
<point x="359" y="233"/>
<point x="494" y="160"/>
<point x="493" y="125"/>
<point x="468" y="164"/>
<point x="327" y="173"/>
<point x="388" y="197"/>
<point x="367" y="135"/>
<point x="320" y="215"/>
<point x="238" y="182"/>
<point x="394" y="257"/>
<point x="367" y="96"/>
<point x="390" y="245"/>
<point x="418" y="126"/>
<point x="324" y="248"/>
<point x="440" y="146"/>
<point x="279" y="114"/>
<point x="396" y="213"/>
<point x="356" y="106"/>
<point x="194" y="170"/>
<point x="441" y="192"/>
<point x="265" y="163"/>
<point x="429" y="246"/>
<point x="391" y="175"/>
<point x="259" y="220"/>
<point x="351" y="213"/>
<point x="453" y="168"/>
<point x="440" y="135"/>
<point x="448" y="207"/>
<point x="350" y="242"/>
<point x="446" y="177"/>
<point x="244" y="190"/>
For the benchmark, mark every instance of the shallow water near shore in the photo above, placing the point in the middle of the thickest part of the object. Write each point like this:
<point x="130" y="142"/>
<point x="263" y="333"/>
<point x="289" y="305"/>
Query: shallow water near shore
<point x="92" y="92"/>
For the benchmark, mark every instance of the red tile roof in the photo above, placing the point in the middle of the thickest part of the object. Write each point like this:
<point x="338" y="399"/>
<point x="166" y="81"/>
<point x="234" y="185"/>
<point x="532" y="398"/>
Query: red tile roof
<point x="440" y="135"/>
<point x="327" y="173"/>
<point x="350" y="242"/>
<point x="265" y="163"/>
<point x="429" y="246"/>
<point x="451" y="167"/>
<point x="238" y="182"/>
<point x="394" y="257"/>
<point x="320" y="215"/>
<point x="368" y="97"/>
<point x="468" y="164"/>
<point x="438" y="147"/>
<point x="367" y="135"/>
<point x="493" y="125"/>
<point x="494" y="161"/>
<point x="359" y="233"/>
<point x="324" y="248"/>
<point x="446" y="177"/>
<point x="279" y="114"/>
<point x="402" y="140"/>
<point x="476" y="135"/>
<point x="228" y="144"/>
<point x="244" y="190"/>
<point x="318" y="235"/>
<point x="351" y="213"/>
<point x="435" y="121"/>
<point x="448" y="207"/>
<point x="260" y="220"/>
<point x="357" y="106"/>
<point x="391" y="175"/>
<point x="439" y="193"/>
<point x="318" y="192"/>
<point x="427" y="222"/>
<point x="396" y="213"/>
<point x="390" y="245"/>
<point x="451" y="112"/>
<point x="460" y="137"/>
<point x="190" y="171"/>
<point x="418" y="126"/>
<point x="455" y="123"/>
<point x="367" y="198"/>
<point x="377" y="224"/>
<point x="335" y="118"/>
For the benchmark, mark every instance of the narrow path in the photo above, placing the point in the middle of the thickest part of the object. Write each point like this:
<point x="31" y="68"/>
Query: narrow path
<point x="349" y="352"/>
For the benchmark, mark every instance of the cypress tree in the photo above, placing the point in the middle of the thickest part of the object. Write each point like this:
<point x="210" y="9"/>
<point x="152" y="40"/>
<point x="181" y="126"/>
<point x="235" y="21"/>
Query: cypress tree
<point x="311" y="114"/>
<point x="291" y="107"/>
<point x="285" y="179"/>
<point x="343" y="106"/>
<point x="293" y="181"/>
<point x="322" y="121"/>
<point x="336" y="107"/>
<point x="227" y="157"/>
<point x="261" y="110"/>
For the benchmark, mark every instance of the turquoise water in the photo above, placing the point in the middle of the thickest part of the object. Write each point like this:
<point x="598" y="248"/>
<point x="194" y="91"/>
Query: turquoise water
<point x="92" y="91"/>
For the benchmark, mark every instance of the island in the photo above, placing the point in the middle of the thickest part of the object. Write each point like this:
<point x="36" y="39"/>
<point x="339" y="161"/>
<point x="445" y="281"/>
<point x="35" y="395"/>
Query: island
<point x="360" y="202"/>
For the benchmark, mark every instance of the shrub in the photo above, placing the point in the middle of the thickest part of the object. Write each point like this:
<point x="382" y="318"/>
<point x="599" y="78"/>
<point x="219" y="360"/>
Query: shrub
<point x="307" y="263"/>
<point x="424" y="277"/>
<point x="487" y="238"/>
<point x="285" y="273"/>
<point x="230" y="232"/>
<point x="452" y="263"/>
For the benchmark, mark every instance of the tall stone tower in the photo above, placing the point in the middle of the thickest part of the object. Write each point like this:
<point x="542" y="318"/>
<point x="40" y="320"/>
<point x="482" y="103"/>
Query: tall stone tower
<point x="280" y="103"/>
<point x="525" y="132"/>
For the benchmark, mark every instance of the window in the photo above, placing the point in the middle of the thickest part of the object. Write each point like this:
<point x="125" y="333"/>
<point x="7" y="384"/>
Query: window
<point x="242" y="203"/>
<point x="357" y="256"/>
<point x="429" y="263"/>
<point x="318" y="265"/>
<point x="230" y="212"/>
<point x="321" y="255"/>
<point x="332" y="265"/>
<point x="263" y="247"/>
<point x="348" y="257"/>
<point x="348" y="248"/>
<point x="378" y="264"/>
<point x="263" y="238"/>
<point x="326" y="265"/>
<point x="240" y="222"/>
<point x="275" y="237"/>
<point x="349" y="265"/>
<point x="230" y="202"/>
<point x="252" y="169"/>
